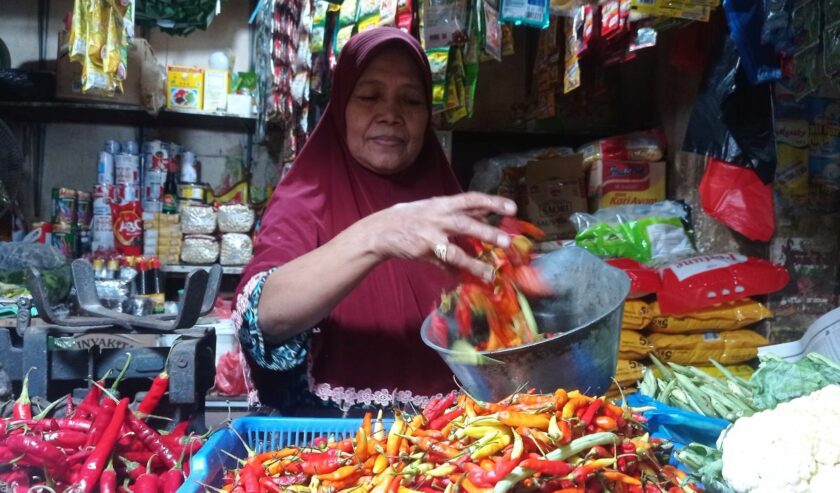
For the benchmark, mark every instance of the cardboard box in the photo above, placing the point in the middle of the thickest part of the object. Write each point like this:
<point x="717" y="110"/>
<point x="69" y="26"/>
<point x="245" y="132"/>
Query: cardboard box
<point x="555" y="188"/>
<point x="184" y="87"/>
<point x="613" y="183"/>
<point x="68" y="75"/>
<point x="216" y="84"/>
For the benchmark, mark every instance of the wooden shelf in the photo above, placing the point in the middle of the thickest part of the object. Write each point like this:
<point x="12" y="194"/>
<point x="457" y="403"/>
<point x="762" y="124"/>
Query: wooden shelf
<point x="121" y="114"/>
<point x="186" y="269"/>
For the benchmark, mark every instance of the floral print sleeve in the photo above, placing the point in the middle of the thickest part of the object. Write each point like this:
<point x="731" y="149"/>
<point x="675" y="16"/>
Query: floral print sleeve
<point x="283" y="357"/>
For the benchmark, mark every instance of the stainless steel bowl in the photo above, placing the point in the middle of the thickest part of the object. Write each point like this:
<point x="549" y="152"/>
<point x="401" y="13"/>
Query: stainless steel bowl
<point x="587" y="309"/>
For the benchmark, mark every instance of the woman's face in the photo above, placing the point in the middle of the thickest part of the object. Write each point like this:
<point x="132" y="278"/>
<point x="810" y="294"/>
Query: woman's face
<point x="387" y="115"/>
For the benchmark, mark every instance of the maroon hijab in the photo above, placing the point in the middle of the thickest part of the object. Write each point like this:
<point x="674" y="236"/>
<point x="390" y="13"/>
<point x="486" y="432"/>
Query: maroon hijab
<point x="371" y="339"/>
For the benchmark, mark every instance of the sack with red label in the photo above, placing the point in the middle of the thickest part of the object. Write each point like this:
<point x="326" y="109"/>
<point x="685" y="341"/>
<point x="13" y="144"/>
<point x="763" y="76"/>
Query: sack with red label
<point x="643" y="279"/>
<point x="699" y="282"/>
<point x="128" y="228"/>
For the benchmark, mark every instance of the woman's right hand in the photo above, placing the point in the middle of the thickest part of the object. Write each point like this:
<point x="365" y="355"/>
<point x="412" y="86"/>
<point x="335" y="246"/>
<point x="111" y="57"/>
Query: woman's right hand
<point x="414" y="230"/>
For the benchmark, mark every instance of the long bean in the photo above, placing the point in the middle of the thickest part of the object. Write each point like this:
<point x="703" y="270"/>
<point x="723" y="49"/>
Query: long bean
<point x="582" y="444"/>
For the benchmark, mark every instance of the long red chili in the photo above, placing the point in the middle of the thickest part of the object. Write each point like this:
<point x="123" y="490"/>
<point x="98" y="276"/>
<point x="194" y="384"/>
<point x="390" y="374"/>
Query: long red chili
<point x="487" y="479"/>
<point x="437" y="406"/>
<point x="90" y="402"/>
<point x="108" y="480"/>
<point x="320" y="462"/>
<point x="545" y="466"/>
<point x="35" y="448"/>
<point x="444" y="419"/>
<point x="171" y="480"/>
<point x="589" y="414"/>
<point x="147" y="483"/>
<point x="66" y="438"/>
<point x="100" y="422"/>
<point x="22" y="408"/>
<point x="135" y="469"/>
<point x="154" y="395"/>
<point x="152" y="439"/>
<point x="92" y="469"/>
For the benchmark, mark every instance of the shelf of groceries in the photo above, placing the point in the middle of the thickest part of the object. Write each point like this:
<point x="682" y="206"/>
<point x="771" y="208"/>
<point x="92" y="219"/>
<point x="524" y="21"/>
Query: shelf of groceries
<point x="97" y="113"/>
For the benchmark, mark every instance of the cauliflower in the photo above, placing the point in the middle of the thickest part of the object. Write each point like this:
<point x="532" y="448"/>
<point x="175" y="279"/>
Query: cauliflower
<point x="792" y="448"/>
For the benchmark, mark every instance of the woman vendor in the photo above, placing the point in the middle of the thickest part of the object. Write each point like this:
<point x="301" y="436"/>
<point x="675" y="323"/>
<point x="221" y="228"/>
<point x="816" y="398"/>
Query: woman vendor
<point x="357" y="244"/>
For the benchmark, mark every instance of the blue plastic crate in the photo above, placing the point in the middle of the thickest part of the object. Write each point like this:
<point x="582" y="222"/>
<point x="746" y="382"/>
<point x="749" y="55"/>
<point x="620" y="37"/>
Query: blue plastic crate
<point x="262" y="434"/>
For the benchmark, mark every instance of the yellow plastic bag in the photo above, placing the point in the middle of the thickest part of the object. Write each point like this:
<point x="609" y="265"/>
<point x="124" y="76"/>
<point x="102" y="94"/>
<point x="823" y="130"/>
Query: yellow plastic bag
<point x="637" y="315"/>
<point x="728" y="348"/>
<point x="726" y="316"/>
<point x="633" y="345"/>
<point x="628" y="372"/>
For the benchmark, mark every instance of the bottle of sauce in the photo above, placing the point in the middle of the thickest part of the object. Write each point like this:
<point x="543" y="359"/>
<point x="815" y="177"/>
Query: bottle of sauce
<point x="170" y="190"/>
<point x="141" y="288"/>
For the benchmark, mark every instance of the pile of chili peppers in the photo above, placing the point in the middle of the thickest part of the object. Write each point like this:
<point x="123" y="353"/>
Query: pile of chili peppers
<point x="495" y="315"/>
<point x="556" y="443"/>
<point x="98" y="444"/>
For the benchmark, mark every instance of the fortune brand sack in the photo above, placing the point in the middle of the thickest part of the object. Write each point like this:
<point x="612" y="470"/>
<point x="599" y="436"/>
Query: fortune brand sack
<point x="613" y="183"/>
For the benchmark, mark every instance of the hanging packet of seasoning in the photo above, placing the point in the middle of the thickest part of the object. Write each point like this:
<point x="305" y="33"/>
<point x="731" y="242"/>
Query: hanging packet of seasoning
<point x="682" y="9"/>
<point x="534" y="13"/>
<point x="471" y="63"/>
<point x="492" y="30"/>
<point x="438" y="62"/>
<point x="346" y="25"/>
<point x="831" y="50"/>
<point x="405" y="14"/>
<point x="368" y="14"/>
<point x="444" y="22"/>
<point x="456" y="90"/>
<point x="610" y="19"/>
<point x="319" y="25"/>
<point x="571" y="66"/>
<point x="387" y="12"/>
<point x="507" y="40"/>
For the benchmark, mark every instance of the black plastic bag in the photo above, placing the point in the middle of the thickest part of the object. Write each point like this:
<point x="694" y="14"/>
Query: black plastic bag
<point x="732" y="120"/>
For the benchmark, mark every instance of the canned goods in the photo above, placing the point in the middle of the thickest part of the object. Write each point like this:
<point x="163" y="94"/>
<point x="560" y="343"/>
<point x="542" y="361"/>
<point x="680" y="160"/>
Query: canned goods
<point x="130" y="147"/>
<point x="63" y="206"/>
<point x="191" y="191"/>
<point x="126" y="169"/>
<point x="103" y="197"/>
<point x="64" y="239"/>
<point x="42" y="232"/>
<point x="128" y="193"/>
<point x="112" y="146"/>
<point x="153" y="185"/>
<point x="83" y="209"/>
<point x="83" y="241"/>
<point x="105" y="168"/>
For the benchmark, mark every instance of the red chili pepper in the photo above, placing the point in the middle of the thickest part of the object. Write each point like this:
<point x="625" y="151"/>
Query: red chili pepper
<point x="135" y="469"/>
<point x="320" y="462"/>
<point x="108" y="480"/>
<point x="66" y="438"/>
<point x="446" y="418"/>
<point x="437" y="406"/>
<point x="250" y="477"/>
<point x="545" y="466"/>
<point x="180" y="429"/>
<point x="487" y="479"/>
<point x="69" y="407"/>
<point x="92" y="469"/>
<point x="22" y="408"/>
<point x="35" y="449"/>
<point x="528" y="281"/>
<point x="440" y="329"/>
<point x="147" y="483"/>
<point x="171" y="480"/>
<point x="90" y="402"/>
<point x="100" y="422"/>
<point x="152" y="439"/>
<point x="154" y="395"/>
<point x="589" y="414"/>
<point x="269" y="486"/>
<point x="463" y="315"/>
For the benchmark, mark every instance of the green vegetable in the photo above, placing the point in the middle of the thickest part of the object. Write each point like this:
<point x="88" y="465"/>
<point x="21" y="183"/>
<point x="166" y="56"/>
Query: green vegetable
<point x="778" y="380"/>
<point x="706" y="463"/>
